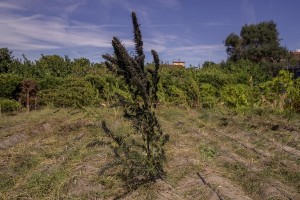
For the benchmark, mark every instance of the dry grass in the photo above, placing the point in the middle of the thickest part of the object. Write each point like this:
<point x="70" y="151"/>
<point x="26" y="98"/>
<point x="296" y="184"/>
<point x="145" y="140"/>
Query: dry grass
<point x="57" y="154"/>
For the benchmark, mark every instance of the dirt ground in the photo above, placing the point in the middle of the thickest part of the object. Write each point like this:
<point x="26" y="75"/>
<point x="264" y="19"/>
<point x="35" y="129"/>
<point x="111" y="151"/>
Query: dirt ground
<point x="57" y="154"/>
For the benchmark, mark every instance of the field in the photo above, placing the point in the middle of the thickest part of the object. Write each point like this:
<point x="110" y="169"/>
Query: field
<point x="58" y="153"/>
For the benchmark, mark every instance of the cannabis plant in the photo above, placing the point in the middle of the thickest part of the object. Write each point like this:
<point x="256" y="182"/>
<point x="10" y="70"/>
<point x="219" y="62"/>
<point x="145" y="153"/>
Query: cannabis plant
<point x="140" y="155"/>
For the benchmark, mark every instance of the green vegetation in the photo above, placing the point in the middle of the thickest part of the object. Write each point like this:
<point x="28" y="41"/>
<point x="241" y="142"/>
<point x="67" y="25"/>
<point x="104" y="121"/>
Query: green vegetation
<point x="141" y="155"/>
<point x="257" y="42"/>
<point x="9" y="105"/>
<point x="237" y="84"/>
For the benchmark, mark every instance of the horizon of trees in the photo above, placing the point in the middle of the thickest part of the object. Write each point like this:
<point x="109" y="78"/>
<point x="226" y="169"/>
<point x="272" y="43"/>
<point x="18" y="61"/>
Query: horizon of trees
<point x="61" y="81"/>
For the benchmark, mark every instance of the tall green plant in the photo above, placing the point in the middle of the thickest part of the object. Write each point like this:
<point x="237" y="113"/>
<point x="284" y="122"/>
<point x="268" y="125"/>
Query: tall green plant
<point x="141" y="155"/>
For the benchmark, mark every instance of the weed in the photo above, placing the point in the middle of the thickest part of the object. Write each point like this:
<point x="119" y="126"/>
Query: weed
<point x="142" y="155"/>
<point x="207" y="151"/>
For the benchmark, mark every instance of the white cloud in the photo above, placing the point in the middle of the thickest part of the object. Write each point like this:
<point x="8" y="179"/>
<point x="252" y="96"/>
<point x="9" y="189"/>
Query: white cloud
<point x="195" y="51"/>
<point x="6" y="5"/>
<point x="58" y="33"/>
<point x="51" y="32"/>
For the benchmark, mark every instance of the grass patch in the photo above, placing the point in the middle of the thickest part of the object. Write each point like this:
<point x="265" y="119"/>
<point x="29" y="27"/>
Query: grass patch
<point x="46" y="183"/>
<point x="249" y="181"/>
<point x="65" y="150"/>
<point x="7" y="180"/>
<point x="208" y="151"/>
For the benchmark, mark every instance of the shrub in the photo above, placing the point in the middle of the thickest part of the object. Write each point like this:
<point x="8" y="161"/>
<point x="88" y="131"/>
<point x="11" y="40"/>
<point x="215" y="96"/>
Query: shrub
<point x="208" y="95"/>
<point x="141" y="155"/>
<point x="73" y="92"/>
<point x="108" y="86"/>
<point x="9" y="105"/>
<point x="238" y="96"/>
<point x="177" y="96"/>
<point x="171" y="86"/>
<point x="214" y="76"/>
<point x="9" y="86"/>
<point x="49" y="82"/>
<point x="278" y="91"/>
<point x="179" y="86"/>
<point x="54" y="65"/>
<point x="245" y="71"/>
<point x="294" y="97"/>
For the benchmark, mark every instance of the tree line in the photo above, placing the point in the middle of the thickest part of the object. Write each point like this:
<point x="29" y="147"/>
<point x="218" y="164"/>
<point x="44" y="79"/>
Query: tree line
<point x="248" y="79"/>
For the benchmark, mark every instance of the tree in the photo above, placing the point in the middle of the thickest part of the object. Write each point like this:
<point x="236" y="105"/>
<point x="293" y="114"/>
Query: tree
<point x="81" y="66"/>
<point x="258" y="43"/>
<point x="233" y="47"/>
<point x="6" y="60"/>
<point x="207" y="64"/>
<point x="141" y="155"/>
<point x="54" y="65"/>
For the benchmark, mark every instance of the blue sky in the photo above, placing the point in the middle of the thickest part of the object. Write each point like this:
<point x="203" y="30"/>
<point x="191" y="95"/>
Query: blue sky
<point x="189" y="30"/>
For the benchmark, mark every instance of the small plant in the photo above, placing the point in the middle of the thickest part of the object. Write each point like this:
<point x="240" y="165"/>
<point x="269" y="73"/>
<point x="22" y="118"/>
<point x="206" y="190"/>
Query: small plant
<point x="208" y="152"/>
<point x="9" y="105"/>
<point x="141" y="155"/>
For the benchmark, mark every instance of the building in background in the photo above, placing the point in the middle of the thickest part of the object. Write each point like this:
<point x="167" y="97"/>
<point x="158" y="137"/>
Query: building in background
<point x="296" y="54"/>
<point x="179" y="63"/>
<point x="296" y="68"/>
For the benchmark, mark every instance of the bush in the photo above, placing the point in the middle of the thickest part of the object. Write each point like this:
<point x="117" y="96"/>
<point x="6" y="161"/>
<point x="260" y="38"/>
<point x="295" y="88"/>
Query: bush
<point x="245" y="71"/>
<point x="277" y="93"/>
<point x="49" y="82"/>
<point x="294" y="97"/>
<point x="208" y="95"/>
<point x="73" y="92"/>
<point x="9" y="105"/>
<point x="9" y="86"/>
<point x="54" y="65"/>
<point x="214" y="76"/>
<point x="238" y="96"/>
<point x="108" y="86"/>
